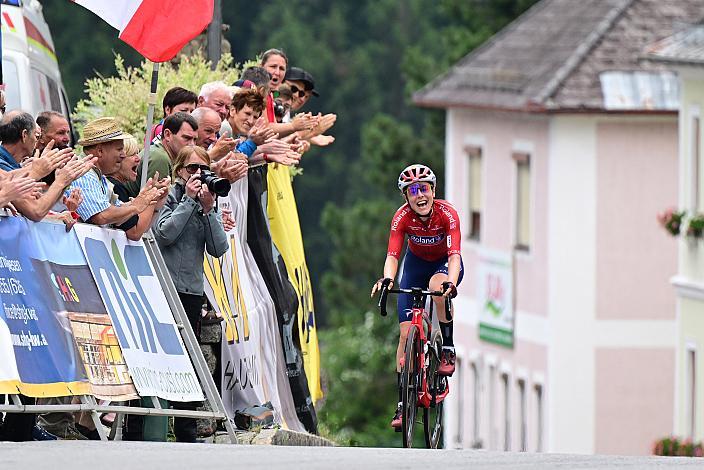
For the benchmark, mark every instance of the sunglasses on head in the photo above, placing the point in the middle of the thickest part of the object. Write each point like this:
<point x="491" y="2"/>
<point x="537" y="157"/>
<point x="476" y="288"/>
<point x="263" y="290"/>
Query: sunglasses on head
<point x="418" y="188"/>
<point x="295" y="89"/>
<point x="191" y="168"/>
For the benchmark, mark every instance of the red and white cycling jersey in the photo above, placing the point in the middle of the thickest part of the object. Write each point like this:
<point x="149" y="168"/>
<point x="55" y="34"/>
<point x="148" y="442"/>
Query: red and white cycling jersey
<point x="432" y="240"/>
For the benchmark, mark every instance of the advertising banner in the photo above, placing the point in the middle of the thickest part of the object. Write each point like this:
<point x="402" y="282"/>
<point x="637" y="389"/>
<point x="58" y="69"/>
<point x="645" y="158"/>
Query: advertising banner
<point x="282" y="292"/>
<point x="495" y="297"/>
<point x="251" y="351"/>
<point x="69" y="286"/>
<point x="144" y="325"/>
<point x="286" y="235"/>
<point x="38" y="355"/>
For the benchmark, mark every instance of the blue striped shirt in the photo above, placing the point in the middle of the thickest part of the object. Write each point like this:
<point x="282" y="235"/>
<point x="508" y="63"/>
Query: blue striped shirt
<point x="97" y="195"/>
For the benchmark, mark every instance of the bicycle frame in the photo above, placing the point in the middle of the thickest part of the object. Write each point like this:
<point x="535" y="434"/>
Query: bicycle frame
<point x="423" y="323"/>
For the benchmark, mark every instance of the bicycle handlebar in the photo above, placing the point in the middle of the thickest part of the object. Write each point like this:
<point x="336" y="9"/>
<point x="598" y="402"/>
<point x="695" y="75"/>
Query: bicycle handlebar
<point x="385" y="293"/>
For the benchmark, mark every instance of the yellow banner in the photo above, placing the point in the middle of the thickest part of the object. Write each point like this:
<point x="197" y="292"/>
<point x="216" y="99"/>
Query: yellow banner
<point x="286" y="234"/>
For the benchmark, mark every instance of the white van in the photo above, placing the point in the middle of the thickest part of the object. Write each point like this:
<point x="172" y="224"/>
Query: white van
<point x="30" y="71"/>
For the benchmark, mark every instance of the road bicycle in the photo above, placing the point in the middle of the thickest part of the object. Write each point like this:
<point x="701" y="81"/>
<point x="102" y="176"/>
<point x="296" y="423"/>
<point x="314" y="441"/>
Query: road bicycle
<point x="421" y="385"/>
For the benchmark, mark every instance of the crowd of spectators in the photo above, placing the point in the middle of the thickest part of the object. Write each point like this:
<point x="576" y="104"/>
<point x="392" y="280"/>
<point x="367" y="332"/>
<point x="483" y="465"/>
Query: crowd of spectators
<point x="223" y="130"/>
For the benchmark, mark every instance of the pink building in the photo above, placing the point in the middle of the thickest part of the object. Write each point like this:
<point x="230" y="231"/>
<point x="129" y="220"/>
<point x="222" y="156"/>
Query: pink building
<point x="561" y="148"/>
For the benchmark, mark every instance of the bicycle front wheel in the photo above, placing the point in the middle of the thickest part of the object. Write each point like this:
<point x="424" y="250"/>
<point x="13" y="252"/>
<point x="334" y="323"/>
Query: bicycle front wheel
<point x="409" y="385"/>
<point x="432" y="416"/>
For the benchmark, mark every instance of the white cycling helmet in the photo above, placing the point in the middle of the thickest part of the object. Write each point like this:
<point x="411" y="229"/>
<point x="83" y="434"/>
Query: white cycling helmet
<point x="415" y="173"/>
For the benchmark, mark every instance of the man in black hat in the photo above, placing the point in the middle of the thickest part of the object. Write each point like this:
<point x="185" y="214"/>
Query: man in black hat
<point x="302" y="85"/>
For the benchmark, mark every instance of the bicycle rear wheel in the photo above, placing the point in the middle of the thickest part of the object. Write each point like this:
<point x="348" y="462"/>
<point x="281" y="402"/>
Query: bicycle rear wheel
<point x="432" y="416"/>
<point x="409" y="386"/>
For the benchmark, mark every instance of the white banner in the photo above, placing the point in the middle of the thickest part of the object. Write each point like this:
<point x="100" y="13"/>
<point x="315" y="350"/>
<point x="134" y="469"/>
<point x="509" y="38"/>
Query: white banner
<point x="253" y="370"/>
<point x="154" y="352"/>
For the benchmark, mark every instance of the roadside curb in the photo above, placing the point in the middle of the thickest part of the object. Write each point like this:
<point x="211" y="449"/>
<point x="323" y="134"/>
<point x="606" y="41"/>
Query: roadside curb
<point x="276" y="437"/>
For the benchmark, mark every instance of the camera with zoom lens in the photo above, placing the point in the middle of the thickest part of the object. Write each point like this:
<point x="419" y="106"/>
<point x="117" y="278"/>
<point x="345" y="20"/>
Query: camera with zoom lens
<point x="215" y="184"/>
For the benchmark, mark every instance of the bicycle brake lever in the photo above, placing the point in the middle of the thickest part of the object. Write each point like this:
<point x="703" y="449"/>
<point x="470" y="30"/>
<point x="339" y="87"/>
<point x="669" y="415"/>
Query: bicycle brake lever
<point x="448" y="308"/>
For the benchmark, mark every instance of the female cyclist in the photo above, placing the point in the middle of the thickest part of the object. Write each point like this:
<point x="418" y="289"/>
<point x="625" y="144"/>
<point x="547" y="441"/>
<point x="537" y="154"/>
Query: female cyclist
<point x="432" y="259"/>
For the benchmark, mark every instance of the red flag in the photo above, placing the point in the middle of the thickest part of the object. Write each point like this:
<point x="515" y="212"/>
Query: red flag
<point x="156" y="29"/>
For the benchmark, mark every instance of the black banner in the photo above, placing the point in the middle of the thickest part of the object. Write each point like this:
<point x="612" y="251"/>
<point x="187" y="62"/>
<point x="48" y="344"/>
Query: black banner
<point x="282" y="292"/>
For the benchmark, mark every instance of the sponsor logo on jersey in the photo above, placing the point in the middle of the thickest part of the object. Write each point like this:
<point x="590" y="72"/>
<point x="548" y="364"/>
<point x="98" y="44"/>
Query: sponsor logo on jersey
<point x="449" y="241"/>
<point x="431" y="240"/>
<point x="397" y="219"/>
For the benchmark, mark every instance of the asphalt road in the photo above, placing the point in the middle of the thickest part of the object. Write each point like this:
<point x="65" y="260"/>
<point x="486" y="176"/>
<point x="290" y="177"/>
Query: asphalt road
<point x="77" y="455"/>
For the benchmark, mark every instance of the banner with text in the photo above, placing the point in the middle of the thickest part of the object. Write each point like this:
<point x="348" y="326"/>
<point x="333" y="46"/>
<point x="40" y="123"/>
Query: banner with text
<point x="151" y="344"/>
<point x="251" y="347"/>
<point x="284" y="296"/>
<point x="286" y="234"/>
<point x="38" y="355"/>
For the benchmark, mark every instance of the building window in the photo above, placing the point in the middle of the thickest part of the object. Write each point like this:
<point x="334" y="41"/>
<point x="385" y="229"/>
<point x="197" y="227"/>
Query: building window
<point x="475" y="191"/>
<point x="523" y="215"/>
<point x="691" y="392"/>
<point x="524" y="415"/>
<point x="538" y="417"/>
<point x="459" y="374"/>
<point x="695" y="159"/>
<point x="477" y="444"/>
<point x="506" y="411"/>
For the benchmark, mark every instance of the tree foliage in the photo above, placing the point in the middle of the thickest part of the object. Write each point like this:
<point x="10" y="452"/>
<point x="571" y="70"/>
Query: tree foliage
<point x="125" y="95"/>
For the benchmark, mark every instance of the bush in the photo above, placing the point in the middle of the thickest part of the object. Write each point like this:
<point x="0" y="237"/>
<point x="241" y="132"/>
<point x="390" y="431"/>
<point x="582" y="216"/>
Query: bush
<point x="673" y="446"/>
<point x="124" y="96"/>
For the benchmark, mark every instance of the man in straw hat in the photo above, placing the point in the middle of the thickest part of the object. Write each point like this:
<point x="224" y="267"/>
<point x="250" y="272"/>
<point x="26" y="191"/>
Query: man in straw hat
<point x="104" y="139"/>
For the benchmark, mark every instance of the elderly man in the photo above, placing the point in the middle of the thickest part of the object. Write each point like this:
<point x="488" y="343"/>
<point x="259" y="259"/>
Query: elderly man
<point x="180" y="129"/>
<point x="216" y="96"/>
<point x="104" y="138"/>
<point x="54" y="126"/>
<point x="18" y="133"/>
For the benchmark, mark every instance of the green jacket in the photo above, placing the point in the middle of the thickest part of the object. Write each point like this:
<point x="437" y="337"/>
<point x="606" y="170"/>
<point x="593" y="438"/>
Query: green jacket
<point x="158" y="161"/>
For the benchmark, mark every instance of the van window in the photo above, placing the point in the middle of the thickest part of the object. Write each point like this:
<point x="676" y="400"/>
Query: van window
<point x="48" y="98"/>
<point x="12" y="84"/>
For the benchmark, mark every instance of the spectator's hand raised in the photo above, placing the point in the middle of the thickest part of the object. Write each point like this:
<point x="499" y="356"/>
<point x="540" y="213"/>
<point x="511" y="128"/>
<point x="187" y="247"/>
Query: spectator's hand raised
<point x="304" y="121"/>
<point x="233" y="167"/>
<point x="222" y="146"/>
<point x="16" y="184"/>
<point x="74" y="169"/>
<point x="322" y="140"/>
<point x="148" y="196"/>
<point x="261" y="132"/>
<point x="228" y="222"/>
<point x="73" y="200"/>
<point x="50" y="160"/>
<point x="325" y="122"/>
<point x="164" y="185"/>
<point x="288" y="158"/>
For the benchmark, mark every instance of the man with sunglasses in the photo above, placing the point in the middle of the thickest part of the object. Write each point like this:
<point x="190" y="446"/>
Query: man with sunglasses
<point x="432" y="259"/>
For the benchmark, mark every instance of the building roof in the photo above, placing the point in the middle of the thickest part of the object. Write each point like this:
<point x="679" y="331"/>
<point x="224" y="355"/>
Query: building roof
<point x="685" y="47"/>
<point x="564" y="55"/>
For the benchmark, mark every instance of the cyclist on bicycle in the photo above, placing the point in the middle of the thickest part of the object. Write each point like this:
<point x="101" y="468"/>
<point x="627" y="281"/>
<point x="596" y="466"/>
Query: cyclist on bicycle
<point x="432" y="259"/>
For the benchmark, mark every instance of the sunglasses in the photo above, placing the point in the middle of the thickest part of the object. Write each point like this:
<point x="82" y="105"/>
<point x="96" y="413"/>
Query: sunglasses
<point x="191" y="168"/>
<point x="418" y="188"/>
<point x="295" y="89"/>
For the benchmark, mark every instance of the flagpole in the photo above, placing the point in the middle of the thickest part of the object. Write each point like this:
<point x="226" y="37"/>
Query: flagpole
<point x="150" y="119"/>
